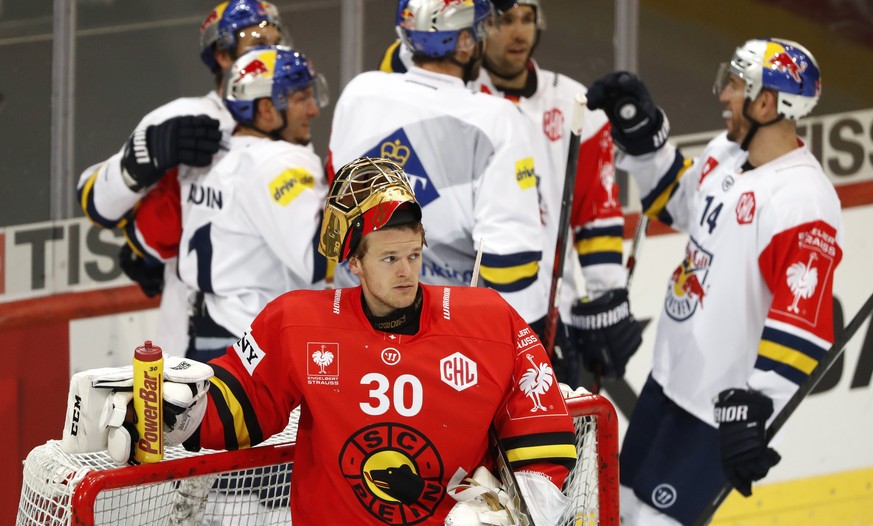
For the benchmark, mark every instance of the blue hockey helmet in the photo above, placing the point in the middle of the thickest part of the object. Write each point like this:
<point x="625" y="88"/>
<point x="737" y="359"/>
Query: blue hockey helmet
<point x="431" y="27"/>
<point x="221" y="28"/>
<point x="269" y="71"/>
<point x="783" y="66"/>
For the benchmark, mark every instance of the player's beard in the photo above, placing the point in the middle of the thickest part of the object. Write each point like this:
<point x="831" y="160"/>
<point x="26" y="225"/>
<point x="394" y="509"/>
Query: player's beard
<point x="504" y="69"/>
<point x="737" y="127"/>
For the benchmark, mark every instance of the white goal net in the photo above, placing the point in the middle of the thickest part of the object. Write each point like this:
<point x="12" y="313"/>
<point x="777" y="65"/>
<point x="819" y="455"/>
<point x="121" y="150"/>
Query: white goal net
<point x="251" y="487"/>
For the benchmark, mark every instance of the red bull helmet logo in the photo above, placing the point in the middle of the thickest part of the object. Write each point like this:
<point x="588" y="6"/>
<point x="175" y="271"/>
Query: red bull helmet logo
<point x="783" y="62"/>
<point x="687" y="288"/>
<point x="253" y="68"/>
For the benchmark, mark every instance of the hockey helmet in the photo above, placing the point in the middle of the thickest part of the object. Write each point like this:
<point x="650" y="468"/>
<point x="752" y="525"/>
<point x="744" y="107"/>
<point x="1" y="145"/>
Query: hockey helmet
<point x="431" y="27"/>
<point x="501" y="6"/>
<point x="783" y="66"/>
<point x="366" y="195"/>
<point x="269" y="71"/>
<point x="221" y="28"/>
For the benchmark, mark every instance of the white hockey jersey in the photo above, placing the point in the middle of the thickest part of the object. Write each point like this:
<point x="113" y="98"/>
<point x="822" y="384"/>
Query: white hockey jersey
<point x="750" y="305"/>
<point x="249" y="225"/>
<point x="472" y="169"/>
<point x="105" y="199"/>
<point x="596" y="220"/>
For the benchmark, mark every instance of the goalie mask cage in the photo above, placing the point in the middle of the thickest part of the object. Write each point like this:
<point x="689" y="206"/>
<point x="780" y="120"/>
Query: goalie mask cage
<point x="251" y="486"/>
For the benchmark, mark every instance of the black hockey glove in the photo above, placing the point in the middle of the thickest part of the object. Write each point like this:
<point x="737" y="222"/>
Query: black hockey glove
<point x="605" y="333"/>
<point x="742" y="441"/>
<point x="149" y="275"/>
<point x="152" y="151"/>
<point x="638" y="126"/>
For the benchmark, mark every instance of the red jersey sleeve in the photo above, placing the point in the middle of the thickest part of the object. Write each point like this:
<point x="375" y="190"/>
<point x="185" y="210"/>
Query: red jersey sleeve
<point x="597" y="220"/>
<point x="534" y="426"/>
<point x="798" y="266"/>
<point x="155" y="226"/>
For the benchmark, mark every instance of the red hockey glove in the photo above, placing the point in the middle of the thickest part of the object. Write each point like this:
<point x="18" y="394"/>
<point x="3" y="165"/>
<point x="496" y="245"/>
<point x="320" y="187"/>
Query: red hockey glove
<point x="742" y="441"/>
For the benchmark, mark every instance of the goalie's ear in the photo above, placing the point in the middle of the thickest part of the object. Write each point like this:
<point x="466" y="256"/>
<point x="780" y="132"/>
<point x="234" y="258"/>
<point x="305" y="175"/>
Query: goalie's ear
<point x="85" y="403"/>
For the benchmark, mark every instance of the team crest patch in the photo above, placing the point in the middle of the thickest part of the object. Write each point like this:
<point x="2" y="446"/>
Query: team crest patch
<point x="394" y="471"/>
<point x="536" y="382"/>
<point x="290" y="183"/>
<point x="687" y="288"/>
<point x="322" y="366"/>
<point x="805" y="277"/>
<point x="396" y="147"/>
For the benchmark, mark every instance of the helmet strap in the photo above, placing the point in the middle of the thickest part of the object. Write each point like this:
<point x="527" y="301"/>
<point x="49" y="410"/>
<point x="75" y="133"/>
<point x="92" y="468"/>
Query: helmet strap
<point x="755" y="125"/>
<point x="475" y="59"/>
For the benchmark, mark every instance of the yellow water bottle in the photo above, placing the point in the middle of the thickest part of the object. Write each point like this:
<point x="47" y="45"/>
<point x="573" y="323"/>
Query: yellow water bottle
<point x="148" y="393"/>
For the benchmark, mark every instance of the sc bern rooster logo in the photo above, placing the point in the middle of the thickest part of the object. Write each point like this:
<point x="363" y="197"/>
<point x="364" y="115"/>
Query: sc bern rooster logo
<point x="394" y="471"/>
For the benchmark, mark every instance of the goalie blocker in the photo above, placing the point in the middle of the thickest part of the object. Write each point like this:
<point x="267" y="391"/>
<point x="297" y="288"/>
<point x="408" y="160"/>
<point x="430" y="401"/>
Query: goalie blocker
<point x="99" y="403"/>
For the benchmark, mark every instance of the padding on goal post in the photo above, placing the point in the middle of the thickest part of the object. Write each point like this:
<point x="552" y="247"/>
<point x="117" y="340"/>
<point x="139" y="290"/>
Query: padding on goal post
<point x="250" y="486"/>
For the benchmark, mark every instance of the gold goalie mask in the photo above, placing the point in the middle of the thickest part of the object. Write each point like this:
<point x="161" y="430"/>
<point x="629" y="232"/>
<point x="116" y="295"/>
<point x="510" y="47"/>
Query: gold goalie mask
<point x="366" y="195"/>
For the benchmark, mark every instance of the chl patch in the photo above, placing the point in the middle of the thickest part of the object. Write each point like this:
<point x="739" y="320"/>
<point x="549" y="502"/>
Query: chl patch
<point x="553" y="124"/>
<point x="290" y="183"/>
<point x="458" y="371"/>
<point x="250" y="354"/>
<point x="525" y="175"/>
<point x="746" y="208"/>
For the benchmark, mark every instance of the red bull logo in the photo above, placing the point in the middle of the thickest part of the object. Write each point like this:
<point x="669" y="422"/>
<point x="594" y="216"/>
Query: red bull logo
<point x="255" y="67"/>
<point x="211" y="19"/>
<point x="687" y="287"/>
<point x="784" y="63"/>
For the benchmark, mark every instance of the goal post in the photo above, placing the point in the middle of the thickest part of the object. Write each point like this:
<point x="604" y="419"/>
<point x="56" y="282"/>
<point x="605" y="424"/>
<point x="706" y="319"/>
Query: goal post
<point x="250" y="486"/>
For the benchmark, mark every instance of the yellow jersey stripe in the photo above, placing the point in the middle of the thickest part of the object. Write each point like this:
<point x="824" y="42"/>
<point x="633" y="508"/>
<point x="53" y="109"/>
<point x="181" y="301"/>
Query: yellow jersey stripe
<point x="505" y="275"/>
<point x="787" y="356"/>
<point x="239" y="425"/>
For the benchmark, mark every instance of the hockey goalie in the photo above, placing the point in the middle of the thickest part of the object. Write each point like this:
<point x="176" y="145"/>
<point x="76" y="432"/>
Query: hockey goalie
<point x="401" y="385"/>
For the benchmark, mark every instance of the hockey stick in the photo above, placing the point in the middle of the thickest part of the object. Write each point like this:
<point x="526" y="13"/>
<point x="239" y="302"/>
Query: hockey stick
<point x="551" y="326"/>
<point x="639" y="235"/>
<point x="504" y="471"/>
<point x="820" y="370"/>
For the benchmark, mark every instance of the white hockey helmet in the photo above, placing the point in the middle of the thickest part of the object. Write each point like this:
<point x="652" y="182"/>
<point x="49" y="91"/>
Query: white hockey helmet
<point x="366" y="195"/>
<point x="501" y="6"/>
<point x="783" y="66"/>
<point x="431" y="27"/>
<point x="272" y="72"/>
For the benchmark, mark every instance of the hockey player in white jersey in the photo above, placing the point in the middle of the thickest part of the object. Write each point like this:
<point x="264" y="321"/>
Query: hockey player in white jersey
<point x="185" y="131"/>
<point x="467" y="154"/>
<point x="249" y="222"/>
<point x="748" y="312"/>
<point x="596" y="222"/>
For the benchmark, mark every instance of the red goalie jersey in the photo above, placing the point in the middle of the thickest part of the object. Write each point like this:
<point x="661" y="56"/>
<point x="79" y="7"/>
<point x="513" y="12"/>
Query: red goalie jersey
<point x="387" y="419"/>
